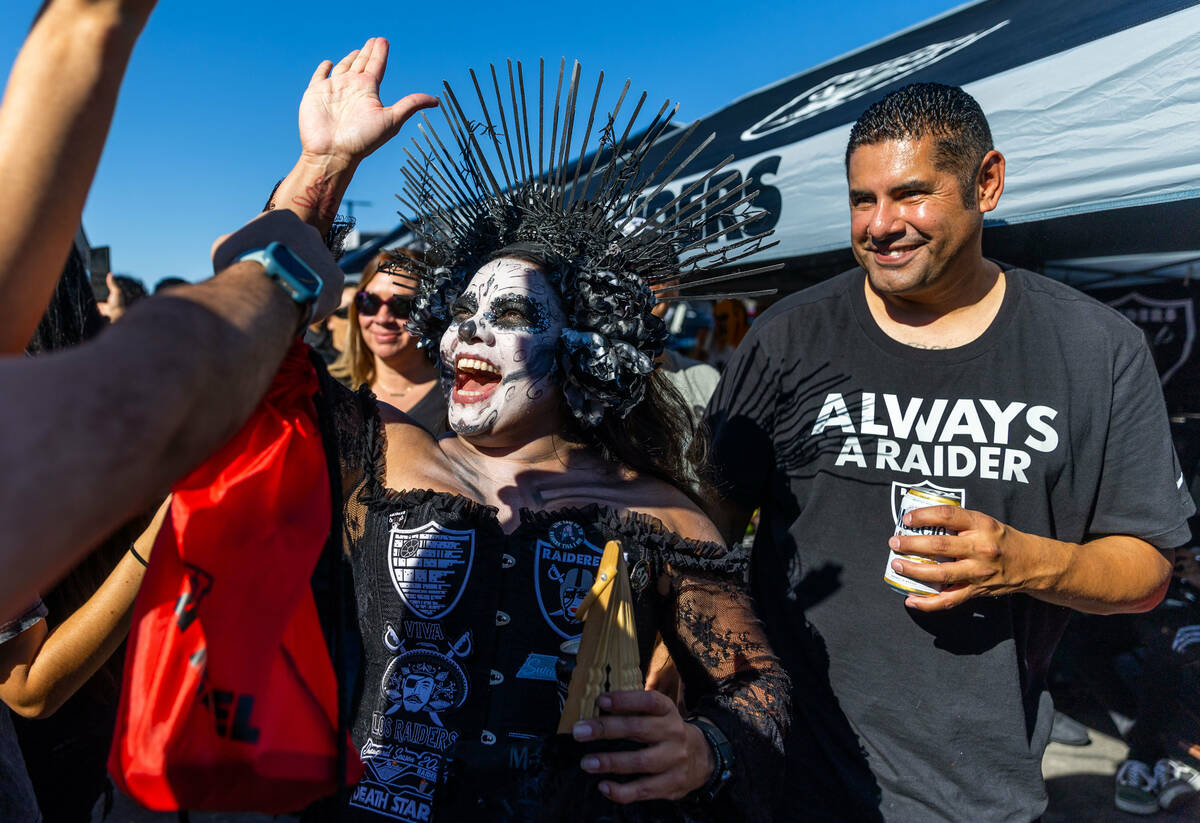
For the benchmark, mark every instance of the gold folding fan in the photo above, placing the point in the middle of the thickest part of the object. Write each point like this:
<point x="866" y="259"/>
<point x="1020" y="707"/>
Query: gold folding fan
<point x="608" y="657"/>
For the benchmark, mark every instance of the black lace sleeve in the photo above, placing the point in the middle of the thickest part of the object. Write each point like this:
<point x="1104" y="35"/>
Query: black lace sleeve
<point x="730" y="674"/>
<point x="355" y="420"/>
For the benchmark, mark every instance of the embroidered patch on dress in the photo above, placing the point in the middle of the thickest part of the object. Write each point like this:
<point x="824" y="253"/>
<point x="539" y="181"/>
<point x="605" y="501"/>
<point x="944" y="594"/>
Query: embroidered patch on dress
<point x="564" y="570"/>
<point x="538" y="667"/>
<point x="398" y="783"/>
<point x="424" y="680"/>
<point x="566" y="534"/>
<point x="430" y="566"/>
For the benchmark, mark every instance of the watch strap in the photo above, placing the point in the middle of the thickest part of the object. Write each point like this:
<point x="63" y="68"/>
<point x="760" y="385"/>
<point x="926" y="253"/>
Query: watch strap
<point x="722" y="756"/>
<point x="302" y="297"/>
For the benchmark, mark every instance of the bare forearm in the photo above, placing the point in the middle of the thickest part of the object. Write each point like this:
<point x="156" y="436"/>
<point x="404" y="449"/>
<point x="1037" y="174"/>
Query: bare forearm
<point x="314" y="189"/>
<point x="107" y="427"/>
<point x="1108" y="575"/>
<point x="53" y="123"/>
<point x="74" y="651"/>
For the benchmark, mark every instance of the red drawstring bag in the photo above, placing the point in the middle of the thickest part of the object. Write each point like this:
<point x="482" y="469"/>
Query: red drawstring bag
<point x="229" y="699"/>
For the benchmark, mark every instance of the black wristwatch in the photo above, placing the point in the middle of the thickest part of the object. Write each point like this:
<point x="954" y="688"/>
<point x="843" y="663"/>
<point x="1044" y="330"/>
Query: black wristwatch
<point x="722" y="755"/>
<point x="302" y="284"/>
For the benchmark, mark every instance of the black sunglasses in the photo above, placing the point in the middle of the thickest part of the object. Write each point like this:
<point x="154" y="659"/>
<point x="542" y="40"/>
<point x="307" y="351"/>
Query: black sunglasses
<point x="368" y="304"/>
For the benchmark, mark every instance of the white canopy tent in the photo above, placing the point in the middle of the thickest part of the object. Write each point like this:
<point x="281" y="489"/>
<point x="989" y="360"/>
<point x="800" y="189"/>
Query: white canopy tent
<point x="1095" y="107"/>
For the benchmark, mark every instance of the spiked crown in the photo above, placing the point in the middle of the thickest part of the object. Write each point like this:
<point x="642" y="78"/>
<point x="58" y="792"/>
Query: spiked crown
<point x="483" y="193"/>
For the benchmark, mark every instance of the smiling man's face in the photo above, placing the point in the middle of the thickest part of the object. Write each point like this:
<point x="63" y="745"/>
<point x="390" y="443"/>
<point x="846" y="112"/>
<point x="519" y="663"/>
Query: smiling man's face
<point x="909" y="225"/>
<point x="498" y="355"/>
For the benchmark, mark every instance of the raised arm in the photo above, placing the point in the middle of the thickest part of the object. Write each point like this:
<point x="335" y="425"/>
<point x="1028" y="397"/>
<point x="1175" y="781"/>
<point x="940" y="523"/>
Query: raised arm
<point x="53" y="122"/>
<point x="342" y="121"/>
<point x="101" y="431"/>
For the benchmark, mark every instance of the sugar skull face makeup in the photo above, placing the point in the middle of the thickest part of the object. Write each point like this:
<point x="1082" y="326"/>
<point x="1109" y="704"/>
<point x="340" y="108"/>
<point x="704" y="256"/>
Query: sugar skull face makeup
<point x="498" y="354"/>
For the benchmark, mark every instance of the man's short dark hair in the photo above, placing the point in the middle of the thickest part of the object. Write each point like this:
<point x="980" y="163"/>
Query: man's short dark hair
<point x="946" y="113"/>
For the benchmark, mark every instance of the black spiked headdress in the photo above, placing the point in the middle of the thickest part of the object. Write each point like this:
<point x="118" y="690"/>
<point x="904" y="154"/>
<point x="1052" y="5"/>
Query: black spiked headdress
<point x="484" y="192"/>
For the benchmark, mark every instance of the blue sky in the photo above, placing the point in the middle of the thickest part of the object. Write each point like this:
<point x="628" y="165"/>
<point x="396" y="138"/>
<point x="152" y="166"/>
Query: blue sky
<point x="207" y="117"/>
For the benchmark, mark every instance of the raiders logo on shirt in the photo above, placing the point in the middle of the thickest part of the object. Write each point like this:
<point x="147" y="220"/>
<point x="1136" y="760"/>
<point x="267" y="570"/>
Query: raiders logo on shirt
<point x="424" y="680"/>
<point x="430" y="566"/>
<point x="564" y="569"/>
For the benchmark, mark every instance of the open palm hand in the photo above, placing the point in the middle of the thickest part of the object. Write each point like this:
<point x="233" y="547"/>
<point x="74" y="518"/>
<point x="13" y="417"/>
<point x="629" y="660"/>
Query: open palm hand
<point x="341" y="114"/>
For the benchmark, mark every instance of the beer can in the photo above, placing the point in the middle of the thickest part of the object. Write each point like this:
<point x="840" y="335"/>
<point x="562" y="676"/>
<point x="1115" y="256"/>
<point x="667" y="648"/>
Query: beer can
<point x="918" y="498"/>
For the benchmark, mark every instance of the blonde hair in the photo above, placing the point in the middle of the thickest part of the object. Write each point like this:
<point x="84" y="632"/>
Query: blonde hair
<point x="356" y="365"/>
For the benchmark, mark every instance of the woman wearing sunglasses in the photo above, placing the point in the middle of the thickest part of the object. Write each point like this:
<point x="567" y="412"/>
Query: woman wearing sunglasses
<point x="380" y="353"/>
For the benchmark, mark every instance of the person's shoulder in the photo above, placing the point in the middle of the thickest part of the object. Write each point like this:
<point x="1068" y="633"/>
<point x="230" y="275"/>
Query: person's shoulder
<point x="812" y="297"/>
<point x="1071" y="307"/>
<point x="401" y="427"/>
<point x="677" y="512"/>
<point x="800" y="316"/>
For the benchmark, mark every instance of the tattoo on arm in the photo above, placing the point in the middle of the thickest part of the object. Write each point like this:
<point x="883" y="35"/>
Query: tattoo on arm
<point x="319" y="197"/>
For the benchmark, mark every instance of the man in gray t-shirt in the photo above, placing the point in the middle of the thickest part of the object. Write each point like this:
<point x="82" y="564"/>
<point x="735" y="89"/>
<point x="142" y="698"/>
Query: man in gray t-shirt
<point x="934" y="368"/>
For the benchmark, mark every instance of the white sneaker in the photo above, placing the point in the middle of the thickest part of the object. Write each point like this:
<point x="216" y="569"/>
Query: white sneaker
<point x="1177" y="783"/>
<point x="1137" y="788"/>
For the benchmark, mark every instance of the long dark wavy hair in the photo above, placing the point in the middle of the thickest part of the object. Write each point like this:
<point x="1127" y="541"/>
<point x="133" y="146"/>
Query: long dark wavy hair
<point x="72" y="315"/>
<point x="658" y="437"/>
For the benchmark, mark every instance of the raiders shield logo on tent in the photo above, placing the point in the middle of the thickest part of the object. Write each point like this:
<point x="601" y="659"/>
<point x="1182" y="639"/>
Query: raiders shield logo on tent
<point x="1170" y="327"/>
<point x="430" y="566"/>
<point x="564" y="569"/>
<point x="900" y="489"/>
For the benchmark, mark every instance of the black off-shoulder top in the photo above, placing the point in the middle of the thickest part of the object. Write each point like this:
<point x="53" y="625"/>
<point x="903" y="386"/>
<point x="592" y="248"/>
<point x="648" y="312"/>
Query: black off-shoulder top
<point x="466" y="632"/>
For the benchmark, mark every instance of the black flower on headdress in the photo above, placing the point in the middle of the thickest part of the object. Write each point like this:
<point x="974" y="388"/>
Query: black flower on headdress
<point x="602" y="375"/>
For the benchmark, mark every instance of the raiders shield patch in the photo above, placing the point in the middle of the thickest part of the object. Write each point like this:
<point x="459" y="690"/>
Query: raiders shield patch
<point x="429" y="566"/>
<point x="564" y="570"/>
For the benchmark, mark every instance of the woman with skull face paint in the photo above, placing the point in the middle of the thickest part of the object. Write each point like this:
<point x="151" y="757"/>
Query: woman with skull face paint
<point x="470" y="554"/>
<point x="469" y="550"/>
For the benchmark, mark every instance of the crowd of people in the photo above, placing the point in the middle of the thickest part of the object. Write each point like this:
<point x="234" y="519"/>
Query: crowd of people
<point x="498" y="402"/>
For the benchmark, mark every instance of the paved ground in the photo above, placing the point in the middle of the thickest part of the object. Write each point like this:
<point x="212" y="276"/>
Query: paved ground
<point x="1080" y="782"/>
<point x="1079" y="779"/>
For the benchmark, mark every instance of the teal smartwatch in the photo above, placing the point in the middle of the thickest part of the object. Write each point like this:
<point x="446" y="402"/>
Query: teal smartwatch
<point x="296" y="277"/>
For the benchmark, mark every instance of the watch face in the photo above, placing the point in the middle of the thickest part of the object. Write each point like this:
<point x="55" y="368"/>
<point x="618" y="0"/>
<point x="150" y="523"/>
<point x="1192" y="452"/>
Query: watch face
<point x="299" y="271"/>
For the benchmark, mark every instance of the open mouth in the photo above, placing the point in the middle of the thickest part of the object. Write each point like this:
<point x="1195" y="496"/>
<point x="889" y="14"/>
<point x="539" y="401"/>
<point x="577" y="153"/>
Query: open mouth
<point x="894" y="254"/>
<point x="474" y="380"/>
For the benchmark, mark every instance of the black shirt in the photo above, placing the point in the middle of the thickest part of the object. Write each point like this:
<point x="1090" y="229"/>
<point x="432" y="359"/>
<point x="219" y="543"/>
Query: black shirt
<point x="1051" y="421"/>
